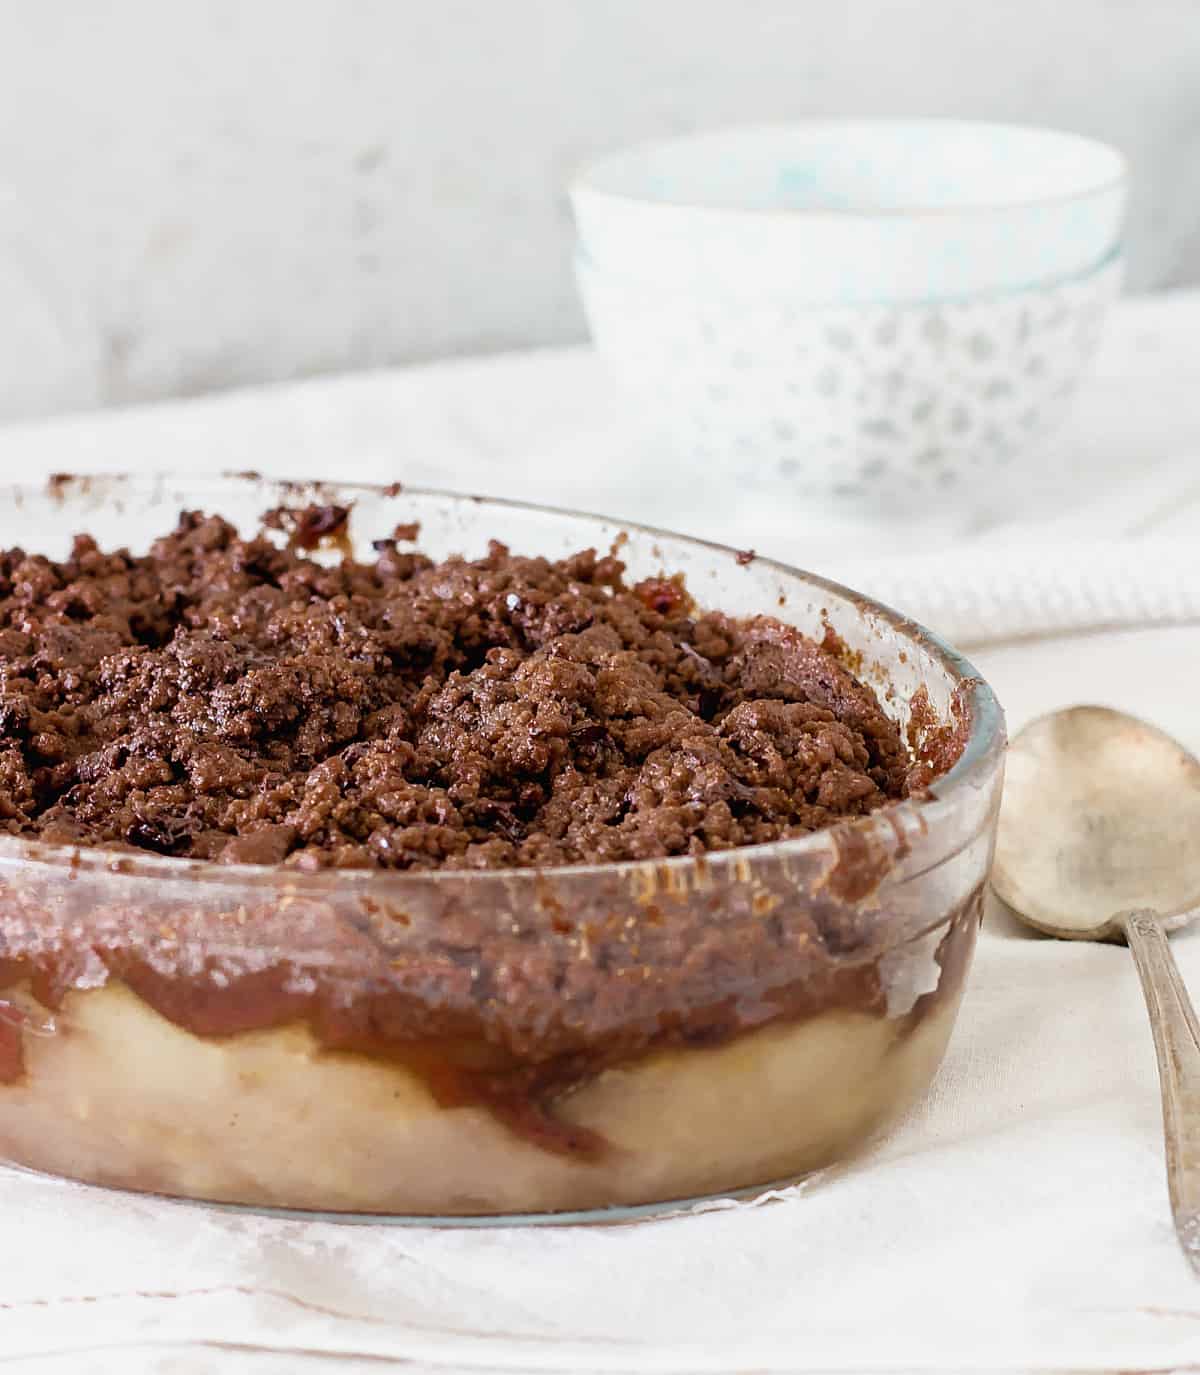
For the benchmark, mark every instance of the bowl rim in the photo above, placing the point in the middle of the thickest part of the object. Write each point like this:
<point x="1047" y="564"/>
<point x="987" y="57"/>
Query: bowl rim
<point x="1108" y="270"/>
<point x="585" y="184"/>
<point x="985" y="743"/>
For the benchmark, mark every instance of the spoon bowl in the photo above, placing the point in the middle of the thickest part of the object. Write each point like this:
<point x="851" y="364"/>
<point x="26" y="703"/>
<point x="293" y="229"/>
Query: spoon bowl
<point x="1101" y="816"/>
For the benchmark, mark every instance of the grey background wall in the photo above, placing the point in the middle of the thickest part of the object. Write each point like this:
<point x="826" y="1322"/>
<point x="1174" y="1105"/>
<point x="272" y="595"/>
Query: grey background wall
<point x="205" y="193"/>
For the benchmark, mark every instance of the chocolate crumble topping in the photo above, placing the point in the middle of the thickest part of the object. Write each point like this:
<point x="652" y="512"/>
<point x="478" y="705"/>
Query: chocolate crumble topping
<point x="220" y="698"/>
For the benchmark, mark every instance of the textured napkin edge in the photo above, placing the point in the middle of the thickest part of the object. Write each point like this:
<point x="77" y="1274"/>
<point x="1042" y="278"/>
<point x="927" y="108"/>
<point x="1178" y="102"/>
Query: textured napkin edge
<point x="985" y="596"/>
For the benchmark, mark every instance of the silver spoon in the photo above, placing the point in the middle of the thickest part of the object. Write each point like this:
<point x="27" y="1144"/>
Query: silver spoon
<point x="1100" y="840"/>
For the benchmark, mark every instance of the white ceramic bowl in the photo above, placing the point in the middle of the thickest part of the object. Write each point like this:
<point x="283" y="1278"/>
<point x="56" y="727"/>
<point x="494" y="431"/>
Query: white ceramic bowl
<point x="855" y="211"/>
<point x="889" y="409"/>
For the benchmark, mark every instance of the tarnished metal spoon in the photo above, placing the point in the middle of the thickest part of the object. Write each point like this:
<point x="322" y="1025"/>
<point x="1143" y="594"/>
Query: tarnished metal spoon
<point x="1100" y="840"/>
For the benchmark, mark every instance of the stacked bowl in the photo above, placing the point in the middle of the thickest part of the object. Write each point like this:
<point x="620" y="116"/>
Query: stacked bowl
<point x="885" y="316"/>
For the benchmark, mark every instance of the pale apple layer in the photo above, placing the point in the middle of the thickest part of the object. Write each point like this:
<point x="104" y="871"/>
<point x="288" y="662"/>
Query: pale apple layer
<point x="115" y="1094"/>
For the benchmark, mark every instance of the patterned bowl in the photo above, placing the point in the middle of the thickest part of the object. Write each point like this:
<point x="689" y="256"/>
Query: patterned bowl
<point x="885" y="409"/>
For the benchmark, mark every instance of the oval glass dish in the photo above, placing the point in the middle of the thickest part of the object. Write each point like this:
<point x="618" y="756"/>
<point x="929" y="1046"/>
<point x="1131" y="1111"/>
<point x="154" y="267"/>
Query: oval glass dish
<point x="474" y="1044"/>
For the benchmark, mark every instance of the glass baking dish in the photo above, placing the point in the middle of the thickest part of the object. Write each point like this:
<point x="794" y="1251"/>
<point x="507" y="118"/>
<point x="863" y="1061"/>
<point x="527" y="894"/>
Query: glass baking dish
<point x="461" y="1045"/>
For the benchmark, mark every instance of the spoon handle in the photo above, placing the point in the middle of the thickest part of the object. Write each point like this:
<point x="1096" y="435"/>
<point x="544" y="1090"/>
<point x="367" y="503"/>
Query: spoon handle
<point x="1177" y="1041"/>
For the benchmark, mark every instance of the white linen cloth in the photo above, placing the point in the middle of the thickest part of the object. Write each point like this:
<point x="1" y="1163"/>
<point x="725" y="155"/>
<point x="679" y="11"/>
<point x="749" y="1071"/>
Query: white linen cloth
<point x="984" y="595"/>
<point x="1017" y="1221"/>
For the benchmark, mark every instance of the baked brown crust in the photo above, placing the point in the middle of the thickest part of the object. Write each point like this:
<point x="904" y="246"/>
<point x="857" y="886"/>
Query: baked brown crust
<point x="226" y="699"/>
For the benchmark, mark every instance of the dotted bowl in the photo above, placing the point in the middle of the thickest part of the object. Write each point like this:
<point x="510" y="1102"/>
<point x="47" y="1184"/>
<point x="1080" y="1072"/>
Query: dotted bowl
<point x="888" y="407"/>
